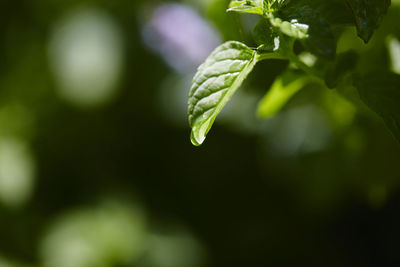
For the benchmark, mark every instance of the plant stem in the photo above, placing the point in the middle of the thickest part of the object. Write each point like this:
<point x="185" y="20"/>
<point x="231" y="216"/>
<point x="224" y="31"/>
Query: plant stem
<point x="269" y="55"/>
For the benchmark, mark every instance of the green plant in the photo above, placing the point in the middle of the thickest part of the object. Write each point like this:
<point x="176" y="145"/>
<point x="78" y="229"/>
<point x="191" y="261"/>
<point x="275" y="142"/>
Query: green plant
<point x="306" y="33"/>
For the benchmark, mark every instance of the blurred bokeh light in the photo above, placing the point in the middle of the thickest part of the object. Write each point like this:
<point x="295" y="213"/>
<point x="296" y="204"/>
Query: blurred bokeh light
<point x="85" y="52"/>
<point x="394" y="51"/>
<point x="17" y="171"/>
<point x="169" y="247"/>
<point x="109" y="234"/>
<point x="180" y="35"/>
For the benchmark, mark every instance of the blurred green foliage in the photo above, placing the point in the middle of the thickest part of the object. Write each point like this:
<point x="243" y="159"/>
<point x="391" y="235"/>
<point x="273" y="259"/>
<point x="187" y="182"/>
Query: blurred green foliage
<point x="96" y="169"/>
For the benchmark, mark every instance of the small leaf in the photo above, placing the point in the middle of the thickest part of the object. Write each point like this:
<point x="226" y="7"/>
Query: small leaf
<point x="265" y="36"/>
<point x="277" y="4"/>
<point x="216" y="80"/>
<point x="381" y="92"/>
<point x="281" y="91"/>
<point x="319" y="38"/>
<point x="253" y="6"/>
<point x="293" y="28"/>
<point x="368" y="14"/>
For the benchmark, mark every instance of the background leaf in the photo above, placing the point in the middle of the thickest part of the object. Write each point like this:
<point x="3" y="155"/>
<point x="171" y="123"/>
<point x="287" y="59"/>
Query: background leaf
<point x="381" y="92"/>
<point x="367" y="15"/>
<point x="214" y="84"/>
<point x="319" y="38"/>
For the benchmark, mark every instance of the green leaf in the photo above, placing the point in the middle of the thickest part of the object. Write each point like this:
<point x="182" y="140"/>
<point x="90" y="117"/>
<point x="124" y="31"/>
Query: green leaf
<point x="333" y="11"/>
<point x="253" y="6"/>
<point x="215" y="82"/>
<point x="293" y="28"/>
<point x="367" y="15"/>
<point x="265" y="36"/>
<point x="281" y="91"/>
<point x="276" y="4"/>
<point x="318" y="37"/>
<point x="270" y="40"/>
<point x="381" y="92"/>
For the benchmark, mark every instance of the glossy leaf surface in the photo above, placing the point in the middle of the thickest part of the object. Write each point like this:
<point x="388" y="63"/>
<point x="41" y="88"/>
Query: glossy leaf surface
<point x="214" y="84"/>
<point x="254" y="6"/>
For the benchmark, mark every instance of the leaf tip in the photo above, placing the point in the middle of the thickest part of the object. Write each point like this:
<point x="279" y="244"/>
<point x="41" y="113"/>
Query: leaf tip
<point x="365" y="36"/>
<point x="196" y="139"/>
